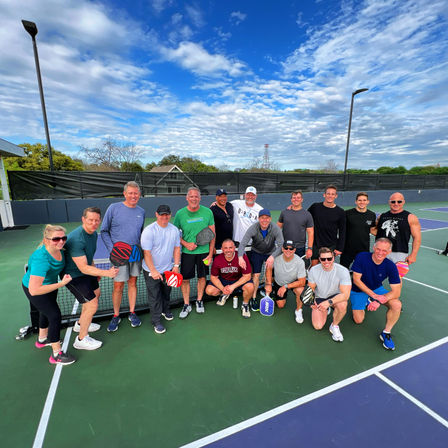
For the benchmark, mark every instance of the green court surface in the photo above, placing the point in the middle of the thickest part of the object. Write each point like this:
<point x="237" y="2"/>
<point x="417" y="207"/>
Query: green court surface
<point x="206" y="372"/>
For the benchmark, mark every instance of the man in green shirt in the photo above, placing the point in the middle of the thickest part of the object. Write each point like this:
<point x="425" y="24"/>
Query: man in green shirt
<point x="190" y="220"/>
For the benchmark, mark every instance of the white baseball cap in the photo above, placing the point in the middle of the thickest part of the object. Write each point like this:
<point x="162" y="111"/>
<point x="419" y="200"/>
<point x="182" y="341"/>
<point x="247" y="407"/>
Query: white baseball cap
<point x="251" y="190"/>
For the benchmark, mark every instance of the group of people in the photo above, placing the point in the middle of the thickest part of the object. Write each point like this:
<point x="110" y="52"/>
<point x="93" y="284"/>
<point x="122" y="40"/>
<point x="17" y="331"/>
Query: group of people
<point x="245" y="239"/>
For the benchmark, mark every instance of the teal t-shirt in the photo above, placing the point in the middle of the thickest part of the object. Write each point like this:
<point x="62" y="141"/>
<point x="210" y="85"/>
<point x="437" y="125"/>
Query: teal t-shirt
<point x="191" y="223"/>
<point x="42" y="264"/>
<point x="79" y="243"/>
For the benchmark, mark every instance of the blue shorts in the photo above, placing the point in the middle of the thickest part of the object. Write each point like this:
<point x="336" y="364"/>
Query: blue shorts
<point x="256" y="260"/>
<point x="359" y="300"/>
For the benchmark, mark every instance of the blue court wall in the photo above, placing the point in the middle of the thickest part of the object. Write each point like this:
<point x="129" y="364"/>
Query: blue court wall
<point x="70" y="210"/>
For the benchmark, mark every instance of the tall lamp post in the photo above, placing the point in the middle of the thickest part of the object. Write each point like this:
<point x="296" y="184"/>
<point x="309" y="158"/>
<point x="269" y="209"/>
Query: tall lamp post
<point x="348" y="134"/>
<point x="31" y="28"/>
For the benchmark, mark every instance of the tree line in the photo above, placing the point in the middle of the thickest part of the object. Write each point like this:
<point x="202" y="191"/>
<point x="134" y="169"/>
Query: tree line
<point x="113" y="156"/>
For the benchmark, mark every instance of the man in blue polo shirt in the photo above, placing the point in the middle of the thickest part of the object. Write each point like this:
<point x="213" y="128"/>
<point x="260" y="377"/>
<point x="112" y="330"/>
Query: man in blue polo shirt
<point x="370" y="270"/>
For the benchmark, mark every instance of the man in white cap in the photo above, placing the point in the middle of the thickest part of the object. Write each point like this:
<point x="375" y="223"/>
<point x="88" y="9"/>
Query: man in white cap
<point x="245" y="213"/>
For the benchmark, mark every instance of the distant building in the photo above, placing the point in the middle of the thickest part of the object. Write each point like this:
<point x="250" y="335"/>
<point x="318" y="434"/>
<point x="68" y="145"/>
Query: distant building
<point x="170" y="179"/>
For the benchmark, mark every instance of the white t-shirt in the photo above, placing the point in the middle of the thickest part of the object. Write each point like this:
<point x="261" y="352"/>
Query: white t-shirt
<point x="243" y="217"/>
<point x="328" y="282"/>
<point x="161" y="241"/>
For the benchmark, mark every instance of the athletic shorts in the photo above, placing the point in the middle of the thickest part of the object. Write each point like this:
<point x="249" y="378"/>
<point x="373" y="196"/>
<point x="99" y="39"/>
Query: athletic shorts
<point x="192" y="263"/>
<point x="275" y="288"/>
<point x="128" y="270"/>
<point x="359" y="300"/>
<point x="397" y="256"/>
<point x="225" y="282"/>
<point x="256" y="261"/>
<point x="320" y="300"/>
<point x="83" y="288"/>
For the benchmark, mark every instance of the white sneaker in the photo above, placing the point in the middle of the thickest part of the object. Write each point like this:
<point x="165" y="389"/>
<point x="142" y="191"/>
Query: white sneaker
<point x="299" y="316"/>
<point x="222" y="300"/>
<point x="336" y="333"/>
<point x="200" y="306"/>
<point x="245" y="312"/>
<point x="87" y="343"/>
<point x="92" y="327"/>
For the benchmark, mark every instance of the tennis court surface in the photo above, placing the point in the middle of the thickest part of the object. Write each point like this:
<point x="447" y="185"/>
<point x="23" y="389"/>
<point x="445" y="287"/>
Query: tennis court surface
<point x="281" y="383"/>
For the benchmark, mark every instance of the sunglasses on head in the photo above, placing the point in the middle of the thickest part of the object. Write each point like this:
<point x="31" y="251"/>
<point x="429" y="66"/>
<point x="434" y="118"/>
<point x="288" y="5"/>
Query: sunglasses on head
<point x="395" y="202"/>
<point x="325" y="258"/>
<point x="56" y="239"/>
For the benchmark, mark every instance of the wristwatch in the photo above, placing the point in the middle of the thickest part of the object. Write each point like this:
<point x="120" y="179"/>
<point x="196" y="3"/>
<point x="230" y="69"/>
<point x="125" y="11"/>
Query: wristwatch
<point x="309" y="248"/>
<point x="330" y="302"/>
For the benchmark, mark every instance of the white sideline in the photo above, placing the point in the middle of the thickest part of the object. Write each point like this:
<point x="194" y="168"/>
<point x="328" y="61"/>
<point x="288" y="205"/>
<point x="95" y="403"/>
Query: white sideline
<point x="45" y="417"/>
<point x="320" y="393"/>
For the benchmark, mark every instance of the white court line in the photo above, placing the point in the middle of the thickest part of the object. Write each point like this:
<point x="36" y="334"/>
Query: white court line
<point x="424" y="284"/>
<point x="433" y="230"/>
<point x="313" y="396"/>
<point x="45" y="417"/>
<point x="414" y="400"/>
<point x="430" y="248"/>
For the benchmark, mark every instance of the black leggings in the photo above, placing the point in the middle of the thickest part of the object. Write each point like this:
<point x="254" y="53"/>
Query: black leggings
<point x="49" y="312"/>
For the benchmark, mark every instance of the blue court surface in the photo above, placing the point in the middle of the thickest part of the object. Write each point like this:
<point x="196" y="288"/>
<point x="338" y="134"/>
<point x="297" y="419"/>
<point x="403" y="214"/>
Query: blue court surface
<point x="437" y="209"/>
<point x="432" y="224"/>
<point x="402" y="403"/>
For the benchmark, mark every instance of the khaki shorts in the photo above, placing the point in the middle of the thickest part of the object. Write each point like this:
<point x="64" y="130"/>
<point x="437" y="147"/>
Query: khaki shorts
<point x="128" y="270"/>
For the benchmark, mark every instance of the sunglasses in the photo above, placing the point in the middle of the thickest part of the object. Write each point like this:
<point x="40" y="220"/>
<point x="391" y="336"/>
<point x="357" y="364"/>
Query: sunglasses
<point x="56" y="239"/>
<point x="325" y="258"/>
<point x="289" y="248"/>
<point x="396" y="202"/>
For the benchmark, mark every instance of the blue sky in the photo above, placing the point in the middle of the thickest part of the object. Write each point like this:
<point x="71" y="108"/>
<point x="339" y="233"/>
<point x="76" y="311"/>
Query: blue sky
<point x="219" y="79"/>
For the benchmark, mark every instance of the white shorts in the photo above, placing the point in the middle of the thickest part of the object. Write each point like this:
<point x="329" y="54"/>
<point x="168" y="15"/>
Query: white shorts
<point x="128" y="270"/>
<point x="397" y="256"/>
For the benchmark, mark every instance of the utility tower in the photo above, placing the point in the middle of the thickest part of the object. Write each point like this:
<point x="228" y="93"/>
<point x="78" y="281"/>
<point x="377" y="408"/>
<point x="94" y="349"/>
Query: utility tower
<point x="266" y="163"/>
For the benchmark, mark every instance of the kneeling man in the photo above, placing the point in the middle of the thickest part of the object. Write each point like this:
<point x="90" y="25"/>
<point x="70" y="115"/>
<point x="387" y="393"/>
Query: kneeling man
<point x="331" y="284"/>
<point x="228" y="277"/>
<point x="369" y="272"/>
<point x="288" y="273"/>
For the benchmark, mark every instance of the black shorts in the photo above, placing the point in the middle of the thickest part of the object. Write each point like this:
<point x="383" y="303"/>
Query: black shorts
<point x="83" y="288"/>
<point x="320" y="300"/>
<point x="275" y="288"/>
<point x="192" y="263"/>
<point x="256" y="260"/>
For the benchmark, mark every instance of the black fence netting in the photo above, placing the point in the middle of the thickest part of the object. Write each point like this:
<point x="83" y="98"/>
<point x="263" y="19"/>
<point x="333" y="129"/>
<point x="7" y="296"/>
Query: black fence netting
<point x="26" y="185"/>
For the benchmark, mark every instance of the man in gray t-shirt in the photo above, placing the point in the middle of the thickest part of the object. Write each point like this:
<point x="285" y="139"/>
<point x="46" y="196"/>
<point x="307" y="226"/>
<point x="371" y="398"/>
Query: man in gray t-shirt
<point x="332" y="285"/>
<point x="288" y="273"/>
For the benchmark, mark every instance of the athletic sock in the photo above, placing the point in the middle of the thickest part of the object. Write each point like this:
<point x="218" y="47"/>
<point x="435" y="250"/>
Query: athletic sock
<point x="55" y="354"/>
<point x="386" y="332"/>
<point x="41" y="340"/>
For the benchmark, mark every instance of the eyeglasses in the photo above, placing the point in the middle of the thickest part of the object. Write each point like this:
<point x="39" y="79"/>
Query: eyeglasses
<point x="289" y="248"/>
<point x="325" y="258"/>
<point x="396" y="202"/>
<point x="56" y="239"/>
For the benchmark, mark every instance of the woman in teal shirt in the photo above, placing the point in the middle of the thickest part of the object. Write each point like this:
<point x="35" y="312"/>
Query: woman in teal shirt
<point x="40" y="284"/>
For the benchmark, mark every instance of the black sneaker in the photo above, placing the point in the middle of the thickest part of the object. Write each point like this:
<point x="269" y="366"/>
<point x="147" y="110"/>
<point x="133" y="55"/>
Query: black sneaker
<point x="62" y="358"/>
<point x="255" y="304"/>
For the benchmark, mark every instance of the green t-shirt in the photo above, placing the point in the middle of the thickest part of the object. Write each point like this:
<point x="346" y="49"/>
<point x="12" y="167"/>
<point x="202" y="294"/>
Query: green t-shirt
<point x="42" y="264"/>
<point x="79" y="243"/>
<point x="191" y="223"/>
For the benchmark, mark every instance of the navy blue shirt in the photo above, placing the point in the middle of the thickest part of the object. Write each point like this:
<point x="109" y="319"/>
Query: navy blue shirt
<point x="373" y="275"/>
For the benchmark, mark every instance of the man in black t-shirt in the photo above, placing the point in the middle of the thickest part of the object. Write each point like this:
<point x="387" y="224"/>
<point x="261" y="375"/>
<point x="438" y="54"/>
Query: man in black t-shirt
<point x="223" y="214"/>
<point x="360" y="222"/>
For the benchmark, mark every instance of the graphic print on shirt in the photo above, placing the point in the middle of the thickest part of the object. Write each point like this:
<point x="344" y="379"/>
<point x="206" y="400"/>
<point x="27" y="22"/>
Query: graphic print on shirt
<point x="391" y="227"/>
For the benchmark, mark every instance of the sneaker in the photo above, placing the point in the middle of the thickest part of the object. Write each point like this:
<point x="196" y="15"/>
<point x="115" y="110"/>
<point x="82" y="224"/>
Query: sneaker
<point x="62" y="358"/>
<point x="135" y="321"/>
<point x="87" y="343"/>
<point x="255" y="304"/>
<point x="200" y="306"/>
<point x="222" y="300"/>
<point x="168" y="315"/>
<point x="113" y="326"/>
<point x="388" y="343"/>
<point x="92" y="327"/>
<point x="245" y="312"/>
<point x="299" y="316"/>
<point x="44" y="343"/>
<point x="336" y="333"/>
<point x="159" y="329"/>
<point x="186" y="310"/>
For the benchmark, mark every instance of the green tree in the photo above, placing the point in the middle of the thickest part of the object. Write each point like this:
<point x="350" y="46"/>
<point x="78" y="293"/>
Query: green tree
<point x="36" y="159"/>
<point x="188" y="164"/>
<point x="150" y="166"/>
<point x="131" y="166"/>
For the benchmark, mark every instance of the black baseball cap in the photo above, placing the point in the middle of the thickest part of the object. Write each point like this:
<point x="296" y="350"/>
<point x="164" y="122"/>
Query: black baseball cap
<point x="289" y="245"/>
<point x="163" y="210"/>
<point x="220" y="191"/>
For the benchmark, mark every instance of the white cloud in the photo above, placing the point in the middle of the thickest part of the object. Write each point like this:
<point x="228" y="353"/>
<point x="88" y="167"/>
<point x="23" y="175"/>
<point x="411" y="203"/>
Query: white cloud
<point x="237" y="17"/>
<point x="192" y="56"/>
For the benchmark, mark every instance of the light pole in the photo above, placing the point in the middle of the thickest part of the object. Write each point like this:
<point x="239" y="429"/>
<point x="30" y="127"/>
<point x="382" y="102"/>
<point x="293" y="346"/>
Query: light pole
<point x="31" y="28"/>
<point x="348" y="134"/>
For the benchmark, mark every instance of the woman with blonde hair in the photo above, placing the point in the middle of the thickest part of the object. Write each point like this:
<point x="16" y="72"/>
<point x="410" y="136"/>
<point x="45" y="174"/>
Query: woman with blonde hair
<point x="40" y="284"/>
